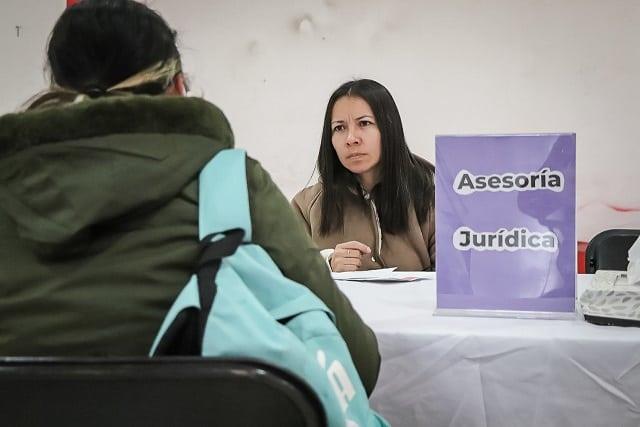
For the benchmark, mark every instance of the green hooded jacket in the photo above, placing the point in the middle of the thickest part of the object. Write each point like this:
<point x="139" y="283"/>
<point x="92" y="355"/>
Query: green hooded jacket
<point x="99" y="229"/>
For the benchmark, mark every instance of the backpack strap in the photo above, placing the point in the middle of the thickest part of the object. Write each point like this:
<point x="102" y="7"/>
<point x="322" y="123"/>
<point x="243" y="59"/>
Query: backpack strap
<point x="224" y="223"/>
<point x="223" y="195"/>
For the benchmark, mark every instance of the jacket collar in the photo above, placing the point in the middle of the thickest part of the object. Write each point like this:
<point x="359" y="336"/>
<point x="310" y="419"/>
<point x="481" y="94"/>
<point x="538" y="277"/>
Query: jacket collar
<point x="104" y="116"/>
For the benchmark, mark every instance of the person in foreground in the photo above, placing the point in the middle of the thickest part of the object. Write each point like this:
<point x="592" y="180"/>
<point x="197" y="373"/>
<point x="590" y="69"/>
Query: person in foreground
<point x="98" y="196"/>
<point x="373" y="204"/>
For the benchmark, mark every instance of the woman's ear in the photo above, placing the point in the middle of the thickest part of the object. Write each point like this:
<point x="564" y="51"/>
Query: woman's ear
<point x="177" y="86"/>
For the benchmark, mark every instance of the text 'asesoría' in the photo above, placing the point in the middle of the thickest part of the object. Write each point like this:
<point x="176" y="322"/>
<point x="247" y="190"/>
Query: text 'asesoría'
<point x="544" y="179"/>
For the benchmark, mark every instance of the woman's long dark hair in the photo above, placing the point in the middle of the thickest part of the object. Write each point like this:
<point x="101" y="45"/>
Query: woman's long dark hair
<point x="96" y="44"/>
<point x="405" y="181"/>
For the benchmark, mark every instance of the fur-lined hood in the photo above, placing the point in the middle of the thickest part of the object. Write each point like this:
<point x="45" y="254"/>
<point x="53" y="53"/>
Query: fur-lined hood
<point x="68" y="170"/>
<point x="105" y="116"/>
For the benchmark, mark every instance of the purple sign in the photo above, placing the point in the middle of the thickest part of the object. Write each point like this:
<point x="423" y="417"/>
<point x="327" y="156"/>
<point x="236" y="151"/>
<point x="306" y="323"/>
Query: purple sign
<point x="505" y="222"/>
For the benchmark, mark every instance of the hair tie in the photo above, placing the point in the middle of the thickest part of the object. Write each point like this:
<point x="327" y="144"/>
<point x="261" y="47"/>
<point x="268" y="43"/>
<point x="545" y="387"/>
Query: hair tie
<point x="95" y="92"/>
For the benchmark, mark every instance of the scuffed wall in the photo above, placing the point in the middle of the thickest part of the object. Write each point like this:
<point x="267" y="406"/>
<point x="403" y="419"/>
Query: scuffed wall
<point x="459" y="66"/>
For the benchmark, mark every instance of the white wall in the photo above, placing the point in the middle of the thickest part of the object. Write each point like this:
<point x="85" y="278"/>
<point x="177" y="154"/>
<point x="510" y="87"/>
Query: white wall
<point x="457" y="66"/>
<point x="23" y="56"/>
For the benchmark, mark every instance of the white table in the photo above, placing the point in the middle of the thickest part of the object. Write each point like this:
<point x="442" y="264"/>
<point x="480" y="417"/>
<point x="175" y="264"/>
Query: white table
<point x="471" y="371"/>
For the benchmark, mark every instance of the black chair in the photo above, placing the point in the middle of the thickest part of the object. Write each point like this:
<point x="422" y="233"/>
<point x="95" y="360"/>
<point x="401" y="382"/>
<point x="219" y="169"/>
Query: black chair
<point x="174" y="391"/>
<point x="609" y="249"/>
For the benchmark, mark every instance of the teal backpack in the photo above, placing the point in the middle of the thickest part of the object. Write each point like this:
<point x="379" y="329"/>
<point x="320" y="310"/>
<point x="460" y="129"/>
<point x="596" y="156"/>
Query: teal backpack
<point x="239" y="304"/>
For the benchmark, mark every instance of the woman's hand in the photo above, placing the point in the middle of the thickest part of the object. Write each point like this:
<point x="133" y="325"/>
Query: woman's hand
<point x="347" y="256"/>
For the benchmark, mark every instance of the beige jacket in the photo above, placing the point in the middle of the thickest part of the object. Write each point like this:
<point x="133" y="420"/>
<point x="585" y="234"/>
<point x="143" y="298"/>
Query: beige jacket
<point x="414" y="250"/>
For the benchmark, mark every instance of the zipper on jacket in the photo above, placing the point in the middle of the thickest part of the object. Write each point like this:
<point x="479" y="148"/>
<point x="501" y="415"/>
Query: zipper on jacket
<point x="378" y="229"/>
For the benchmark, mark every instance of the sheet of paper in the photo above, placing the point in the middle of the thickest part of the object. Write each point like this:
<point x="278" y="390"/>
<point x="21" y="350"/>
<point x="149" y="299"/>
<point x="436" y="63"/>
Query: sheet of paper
<point x="382" y="275"/>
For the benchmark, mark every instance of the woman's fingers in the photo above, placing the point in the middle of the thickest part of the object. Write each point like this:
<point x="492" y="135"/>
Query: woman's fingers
<point x="345" y="264"/>
<point x="352" y="249"/>
<point x="347" y="256"/>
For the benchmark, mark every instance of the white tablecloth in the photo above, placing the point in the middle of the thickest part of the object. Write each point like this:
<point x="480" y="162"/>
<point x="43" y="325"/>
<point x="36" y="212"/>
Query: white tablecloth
<point x="471" y="371"/>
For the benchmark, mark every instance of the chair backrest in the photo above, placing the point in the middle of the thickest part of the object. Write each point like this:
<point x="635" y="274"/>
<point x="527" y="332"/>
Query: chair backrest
<point x="608" y="250"/>
<point x="171" y="391"/>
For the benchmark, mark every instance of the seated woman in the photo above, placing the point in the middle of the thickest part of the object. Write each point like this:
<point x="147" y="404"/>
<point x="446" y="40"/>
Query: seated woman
<point x="373" y="204"/>
<point x="99" y="202"/>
